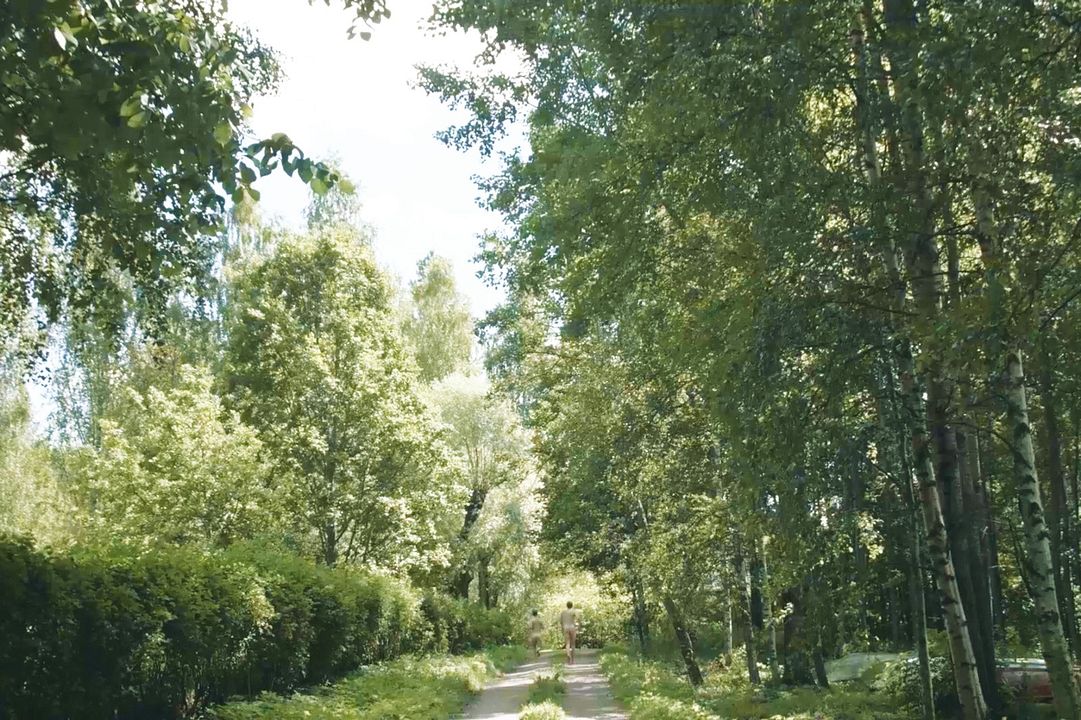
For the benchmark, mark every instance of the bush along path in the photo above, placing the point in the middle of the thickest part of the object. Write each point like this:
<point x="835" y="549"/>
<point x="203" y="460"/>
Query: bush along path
<point x="430" y="688"/>
<point x="114" y="633"/>
<point x="653" y="689"/>
<point x="586" y="695"/>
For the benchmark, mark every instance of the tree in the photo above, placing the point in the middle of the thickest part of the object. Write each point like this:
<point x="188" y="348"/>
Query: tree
<point x="792" y="210"/>
<point x="33" y="501"/>
<point x="438" y="327"/>
<point x="316" y="365"/>
<point x="485" y="435"/>
<point x="175" y="466"/>
<point x="124" y="133"/>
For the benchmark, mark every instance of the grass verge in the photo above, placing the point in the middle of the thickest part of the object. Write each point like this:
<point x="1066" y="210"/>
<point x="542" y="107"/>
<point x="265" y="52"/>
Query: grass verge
<point x="430" y="688"/>
<point x="546" y="710"/>
<point x="656" y="690"/>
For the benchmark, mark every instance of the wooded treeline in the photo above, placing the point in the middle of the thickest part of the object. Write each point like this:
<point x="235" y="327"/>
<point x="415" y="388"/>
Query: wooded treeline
<point x="213" y="378"/>
<point x="793" y="312"/>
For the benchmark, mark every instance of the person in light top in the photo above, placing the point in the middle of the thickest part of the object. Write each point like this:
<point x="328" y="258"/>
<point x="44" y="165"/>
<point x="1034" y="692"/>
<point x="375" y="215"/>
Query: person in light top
<point x="568" y="622"/>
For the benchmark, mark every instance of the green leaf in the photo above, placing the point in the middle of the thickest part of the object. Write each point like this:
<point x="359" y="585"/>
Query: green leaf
<point x="347" y="187"/>
<point x="318" y="186"/>
<point x="223" y="133"/>
<point x="137" y="120"/>
<point x="131" y="106"/>
<point x="304" y="167"/>
<point x="62" y="41"/>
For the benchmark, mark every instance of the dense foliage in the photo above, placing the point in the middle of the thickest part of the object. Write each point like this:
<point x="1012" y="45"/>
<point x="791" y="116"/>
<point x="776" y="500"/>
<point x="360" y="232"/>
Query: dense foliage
<point x="317" y="366"/>
<point x="787" y="368"/>
<point x="433" y="688"/>
<point x="792" y="311"/>
<point x="113" y="634"/>
<point x="124" y="133"/>
<point x="654" y="690"/>
<point x="220" y="386"/>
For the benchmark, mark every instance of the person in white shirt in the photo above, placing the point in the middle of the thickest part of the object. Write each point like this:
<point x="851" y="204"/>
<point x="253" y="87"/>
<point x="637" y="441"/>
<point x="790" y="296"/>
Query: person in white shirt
<point x="568" y="622"/>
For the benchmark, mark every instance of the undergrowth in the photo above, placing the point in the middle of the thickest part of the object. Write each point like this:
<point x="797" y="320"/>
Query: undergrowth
<point x="656" y="690"/>
<point x="546" y="710"/>
<point x="431" y="688"/>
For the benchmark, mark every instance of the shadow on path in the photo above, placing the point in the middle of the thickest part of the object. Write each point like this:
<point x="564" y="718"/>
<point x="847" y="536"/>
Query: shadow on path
<point x="503" y="698"/>
<point x="588" y="696"/>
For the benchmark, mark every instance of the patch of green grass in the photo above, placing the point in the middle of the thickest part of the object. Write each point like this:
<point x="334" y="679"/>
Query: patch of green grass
<point x="547" y="689"/>
<point x="432" y="688"/>
<point x="547" y="710"/>
<point x="653" y="690"/>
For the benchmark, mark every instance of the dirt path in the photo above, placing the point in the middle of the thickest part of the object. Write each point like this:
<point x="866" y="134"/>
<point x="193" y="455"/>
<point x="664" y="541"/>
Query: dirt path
<point x="503" y="698"/>
<point x="588" y="697"/>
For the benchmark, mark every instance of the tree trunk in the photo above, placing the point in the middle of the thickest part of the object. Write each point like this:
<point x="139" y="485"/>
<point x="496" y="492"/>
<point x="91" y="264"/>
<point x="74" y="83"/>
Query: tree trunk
<point x="924" y="271"/>
<point x="1075" y="518"/>
<point x="330" y="543"/>
<point x="1058" y="515"/>
<point x="1040" y="566"/>
<point x="916" y="595"/>
<point x="728" y="629"/>
<point x="970" y="567"/>
<point x="966" y="677"/>
<point x="919" y="630"/>
<point x="797" y="652"/>
<point x="767" y="615"/>
<point x="975" y="509"/>
<point x="683" y="637"/>
<point x="820" y="666"/>
<point x="641" y="614"/>
<point x="921" y="260"/>
<point x="1037" y="543"/>
<point x="752" y="657"/>
<point x="483" y="580"/>
<point x="989" y="539"/>
<point x="464" y="577"/>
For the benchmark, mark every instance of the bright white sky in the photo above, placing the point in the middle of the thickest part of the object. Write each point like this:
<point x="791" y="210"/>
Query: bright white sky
<point x="353" y="99"/>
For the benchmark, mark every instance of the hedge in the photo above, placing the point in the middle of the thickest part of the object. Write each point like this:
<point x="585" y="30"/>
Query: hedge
<point x="114" y="634"/>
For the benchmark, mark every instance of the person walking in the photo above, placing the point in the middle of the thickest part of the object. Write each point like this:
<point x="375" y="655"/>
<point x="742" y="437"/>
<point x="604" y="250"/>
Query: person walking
<point x="568" y="622"/>
<point x="535" y="628"/>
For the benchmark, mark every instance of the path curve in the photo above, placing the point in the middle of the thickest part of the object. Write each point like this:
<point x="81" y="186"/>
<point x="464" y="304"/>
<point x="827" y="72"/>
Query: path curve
<point x="587" y="698"/>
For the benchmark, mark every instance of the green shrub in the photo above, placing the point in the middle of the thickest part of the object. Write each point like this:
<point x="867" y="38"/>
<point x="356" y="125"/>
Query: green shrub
<point x="654" y="690"/>
<point x="546" y="710"/>
<point x="546" y="689"/>
<point x="457" y="626"/>
<point x="111" y="633"/>
<point x="432" y="688"/>
<point x="901" y="679"/>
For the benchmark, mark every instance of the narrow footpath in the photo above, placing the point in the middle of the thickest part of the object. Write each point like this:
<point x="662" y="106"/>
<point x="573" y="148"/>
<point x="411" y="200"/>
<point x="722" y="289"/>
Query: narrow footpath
<point x="587" y="698"/>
